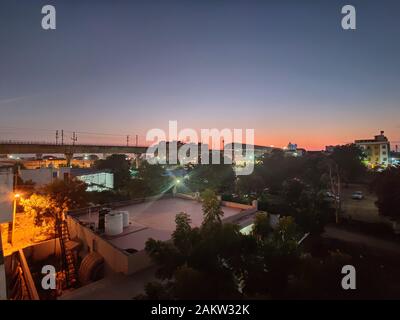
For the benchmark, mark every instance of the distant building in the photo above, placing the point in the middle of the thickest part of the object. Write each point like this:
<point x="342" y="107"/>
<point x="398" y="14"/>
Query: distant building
<point x="291" y="146"/>
<point x="395" y="158"/>
<point x="50" y="161"/>
<point x="259" y="151"/>
<point x="330" y="149"/>
<point x="162" y="152"/>
<point x="95" y="179"/>
<point x="293" y="151"/>
<point x="376" y="150"/>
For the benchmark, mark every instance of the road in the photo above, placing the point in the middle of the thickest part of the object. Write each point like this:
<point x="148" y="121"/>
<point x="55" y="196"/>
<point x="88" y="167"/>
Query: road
<point x="363" y="210"/>
<point x="375" y="243"/>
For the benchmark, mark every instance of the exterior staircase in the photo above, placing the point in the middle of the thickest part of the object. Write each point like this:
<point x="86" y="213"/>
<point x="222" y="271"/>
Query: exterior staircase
<point x="67" y="254"/>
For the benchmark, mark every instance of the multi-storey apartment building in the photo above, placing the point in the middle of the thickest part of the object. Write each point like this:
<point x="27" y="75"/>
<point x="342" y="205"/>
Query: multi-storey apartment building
<point x="376" y="150"/>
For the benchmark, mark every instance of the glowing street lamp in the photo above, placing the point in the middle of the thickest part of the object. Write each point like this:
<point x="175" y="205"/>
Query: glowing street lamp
<point x="16" y="196"/>
<point x="175" y="185"/>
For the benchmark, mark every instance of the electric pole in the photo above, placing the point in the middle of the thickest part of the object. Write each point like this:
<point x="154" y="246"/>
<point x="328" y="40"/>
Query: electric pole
<point x="56" y="137"/>
<point x="127" y="140"/>
<point x="74" y="138"/>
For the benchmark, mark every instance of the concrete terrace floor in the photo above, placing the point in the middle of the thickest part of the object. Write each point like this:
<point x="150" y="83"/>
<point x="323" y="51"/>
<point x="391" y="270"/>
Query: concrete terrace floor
<point x="155" y="219"/>
<point x="161" y="214"/>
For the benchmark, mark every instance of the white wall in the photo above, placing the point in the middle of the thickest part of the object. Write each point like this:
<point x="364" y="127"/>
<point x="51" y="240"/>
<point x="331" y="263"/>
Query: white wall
<point x="6" y="195"/>
<point x="98" y="181"/>
<point x="40" y="176"/>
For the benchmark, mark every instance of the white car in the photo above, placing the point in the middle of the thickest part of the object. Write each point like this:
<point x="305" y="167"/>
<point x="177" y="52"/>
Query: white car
<point x="357" y="195"/>
<point x="332" y="196"/>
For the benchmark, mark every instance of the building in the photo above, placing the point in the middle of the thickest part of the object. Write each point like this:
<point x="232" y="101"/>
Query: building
<point x="291" y="150"/>
<point x="376" y="150"/>
<point x="247" y="150"/>
<point x="97" y="180"/>
<point x="395" y="158"/>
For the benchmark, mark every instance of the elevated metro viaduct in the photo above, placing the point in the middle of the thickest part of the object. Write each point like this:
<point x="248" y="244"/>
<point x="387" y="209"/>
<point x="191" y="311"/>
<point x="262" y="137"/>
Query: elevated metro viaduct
<point x="67" y="150"/>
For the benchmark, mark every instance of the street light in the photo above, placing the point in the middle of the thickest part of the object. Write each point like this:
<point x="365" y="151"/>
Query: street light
<point x="16" y="196"/>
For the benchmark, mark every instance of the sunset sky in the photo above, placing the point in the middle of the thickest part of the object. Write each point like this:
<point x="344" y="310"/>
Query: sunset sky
<point x="284" y="68"/>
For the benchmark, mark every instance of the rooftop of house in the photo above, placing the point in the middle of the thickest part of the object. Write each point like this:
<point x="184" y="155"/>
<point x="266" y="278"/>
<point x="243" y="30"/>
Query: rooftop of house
<point x="154" y="219"/>
<point x="381" y="138"/>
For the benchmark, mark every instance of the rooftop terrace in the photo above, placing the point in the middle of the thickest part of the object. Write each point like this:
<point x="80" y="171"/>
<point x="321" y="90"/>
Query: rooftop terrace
<point x="154" y="219"/>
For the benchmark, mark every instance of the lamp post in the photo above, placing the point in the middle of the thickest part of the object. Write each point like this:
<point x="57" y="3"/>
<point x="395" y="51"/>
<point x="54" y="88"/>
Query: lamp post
<point x="11" y="235"/>
<point x="174" y="190"/>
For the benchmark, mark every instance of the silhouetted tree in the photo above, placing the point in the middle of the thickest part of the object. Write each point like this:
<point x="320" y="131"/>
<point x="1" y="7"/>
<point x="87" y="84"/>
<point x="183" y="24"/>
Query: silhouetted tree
<point x="70" y="193"/>
<point x="119" y="166"/>
<point x="349" y="161"/>
<point x="218" y="177"/>
<point x="211" y="207"/>
<point x="387" y="188"/>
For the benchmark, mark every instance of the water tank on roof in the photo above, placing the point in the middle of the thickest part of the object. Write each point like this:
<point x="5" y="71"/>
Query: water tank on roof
<point x="114" y="223"/>
<point x="125" y="218"/>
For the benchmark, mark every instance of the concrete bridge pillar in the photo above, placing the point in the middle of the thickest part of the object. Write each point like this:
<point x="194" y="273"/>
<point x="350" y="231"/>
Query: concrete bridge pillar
<point x="137" y="161"/>
<point x="69" y="157"/>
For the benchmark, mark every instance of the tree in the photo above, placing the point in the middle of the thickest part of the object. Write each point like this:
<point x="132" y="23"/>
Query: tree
<point x="166" y="256"/>
<point x="201" y="263"/>
<point x="287" y="231"/>
<point x="119" y="166"/>
<point x="292" y="190"/>
<point x="313" y="212"/>
<point x="349" y="159"/>
<point x="69" y="194"/>
<point x="262" y="228"/>
<point x="277" y="256"/>
<point x="154" y="179"/>
<point x="217" y="261"/>
<point x="211" y="208"/>
<point x="387" y="188"/>
<point x="183" y="235"/>
<point x="219" y="177"/>
<point x="252" y="183"/>
<point x="41" y="211"/>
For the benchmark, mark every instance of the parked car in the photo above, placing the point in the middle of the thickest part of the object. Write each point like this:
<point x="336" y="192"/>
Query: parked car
<point x="332" y="196"/>
<point x="357" y="195"/>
